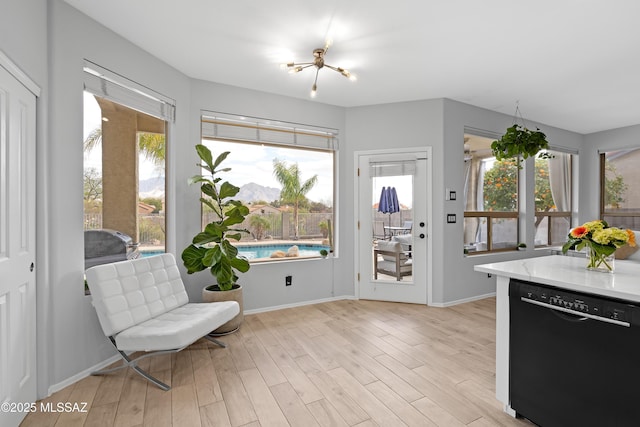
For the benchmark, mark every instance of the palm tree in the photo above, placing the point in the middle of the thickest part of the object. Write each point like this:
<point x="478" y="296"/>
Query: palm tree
<point x="152" y="145"/>
<point x="293" y="191"/>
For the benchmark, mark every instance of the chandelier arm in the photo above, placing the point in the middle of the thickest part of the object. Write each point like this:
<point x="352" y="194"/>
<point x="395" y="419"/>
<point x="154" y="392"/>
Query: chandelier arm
<point x="296" y="64"/>
<point x="315" y="81"/>
<point x="340" y="70"/>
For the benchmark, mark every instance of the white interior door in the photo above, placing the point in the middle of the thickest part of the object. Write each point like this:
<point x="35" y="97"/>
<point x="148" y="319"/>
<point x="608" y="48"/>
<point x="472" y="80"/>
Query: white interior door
<point x="17" y="249"/>
<point x="392" y="248"/>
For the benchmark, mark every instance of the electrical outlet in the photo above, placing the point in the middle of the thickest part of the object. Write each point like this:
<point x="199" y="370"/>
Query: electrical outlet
<point x="451" y="218"/>
<point x="288" y="280"/>
<point x="452" y="195"/>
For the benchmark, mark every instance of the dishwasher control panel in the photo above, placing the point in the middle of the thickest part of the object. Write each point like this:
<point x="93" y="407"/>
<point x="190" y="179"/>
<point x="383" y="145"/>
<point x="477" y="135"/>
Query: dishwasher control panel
<point x="580" y="302"/>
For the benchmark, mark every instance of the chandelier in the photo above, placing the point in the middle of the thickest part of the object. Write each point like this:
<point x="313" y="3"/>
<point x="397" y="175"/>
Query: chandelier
<point x="318" y="62"/>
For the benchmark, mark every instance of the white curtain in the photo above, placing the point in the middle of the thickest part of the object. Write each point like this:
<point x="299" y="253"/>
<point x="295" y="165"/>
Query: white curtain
<point x="560" y="181"/>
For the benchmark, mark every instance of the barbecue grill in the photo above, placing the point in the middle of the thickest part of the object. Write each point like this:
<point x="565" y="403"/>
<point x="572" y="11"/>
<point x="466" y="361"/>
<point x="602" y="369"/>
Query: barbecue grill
<point x="105" y="246"/>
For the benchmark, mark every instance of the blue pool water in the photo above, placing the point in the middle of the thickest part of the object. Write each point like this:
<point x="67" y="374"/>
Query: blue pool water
<point x="263" y="251"/>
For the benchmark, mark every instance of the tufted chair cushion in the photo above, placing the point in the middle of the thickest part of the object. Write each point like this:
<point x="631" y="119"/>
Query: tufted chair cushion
<point x="128" y="293"/>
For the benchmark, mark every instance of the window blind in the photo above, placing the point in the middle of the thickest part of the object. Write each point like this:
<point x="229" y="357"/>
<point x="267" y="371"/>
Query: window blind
<point x="111" y="86"/>
<point x="392" y="168"/>
<point x="236" y="128"/>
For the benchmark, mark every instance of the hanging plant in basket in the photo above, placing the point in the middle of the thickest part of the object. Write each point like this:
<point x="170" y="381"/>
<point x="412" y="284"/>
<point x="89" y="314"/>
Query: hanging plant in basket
<point x="519" y="143"/>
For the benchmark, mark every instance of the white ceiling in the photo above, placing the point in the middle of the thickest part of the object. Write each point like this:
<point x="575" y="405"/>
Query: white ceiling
<point x="574" y="64"/>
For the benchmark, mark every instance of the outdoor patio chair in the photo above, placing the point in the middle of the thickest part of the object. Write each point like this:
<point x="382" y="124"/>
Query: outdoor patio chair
<point x="389" y="258"/>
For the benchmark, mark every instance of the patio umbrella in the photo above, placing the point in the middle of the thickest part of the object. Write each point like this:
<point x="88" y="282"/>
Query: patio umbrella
<point x="388" y="202"/>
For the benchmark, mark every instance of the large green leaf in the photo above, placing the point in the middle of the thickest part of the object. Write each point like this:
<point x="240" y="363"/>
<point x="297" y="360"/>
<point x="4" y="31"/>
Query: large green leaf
<point x="219" y="160"/>
<point x="241" y="264"/>
<point x="205" y="154"/>
<point x="192" y="258"/>
<point x="228" y="190"/>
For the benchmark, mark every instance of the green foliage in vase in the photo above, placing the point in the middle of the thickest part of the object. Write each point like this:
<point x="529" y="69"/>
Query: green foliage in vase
<point x="211" y="249"/>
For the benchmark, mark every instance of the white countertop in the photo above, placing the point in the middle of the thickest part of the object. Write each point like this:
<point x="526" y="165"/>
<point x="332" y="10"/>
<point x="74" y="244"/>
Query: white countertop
<point x="570" y="273"/>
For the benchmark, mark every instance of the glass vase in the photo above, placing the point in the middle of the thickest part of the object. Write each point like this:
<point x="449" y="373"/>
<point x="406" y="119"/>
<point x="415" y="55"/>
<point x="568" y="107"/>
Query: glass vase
<point x="600" y="262"/>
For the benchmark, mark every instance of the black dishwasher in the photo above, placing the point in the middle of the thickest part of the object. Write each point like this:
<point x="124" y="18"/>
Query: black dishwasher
<point x="574" y="358"/>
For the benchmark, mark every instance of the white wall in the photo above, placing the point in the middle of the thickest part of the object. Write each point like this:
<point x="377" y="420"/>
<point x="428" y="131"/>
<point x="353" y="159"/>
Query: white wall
<point x="76" y="341"/>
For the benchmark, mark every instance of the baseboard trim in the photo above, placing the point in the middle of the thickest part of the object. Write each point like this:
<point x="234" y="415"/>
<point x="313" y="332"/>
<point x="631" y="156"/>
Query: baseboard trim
<point x="83" y="374"/>
<point x="299" y="304"/>
<point x="462" y="301"/>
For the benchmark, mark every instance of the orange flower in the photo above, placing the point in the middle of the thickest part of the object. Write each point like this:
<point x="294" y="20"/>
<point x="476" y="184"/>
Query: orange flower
<point x="632" y="237"/>
<point x="579" y="232"/>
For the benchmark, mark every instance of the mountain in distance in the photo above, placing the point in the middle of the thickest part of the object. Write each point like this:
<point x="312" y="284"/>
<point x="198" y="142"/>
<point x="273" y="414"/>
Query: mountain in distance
<point x="152" y="187"/>
<point x="251" y="192"/>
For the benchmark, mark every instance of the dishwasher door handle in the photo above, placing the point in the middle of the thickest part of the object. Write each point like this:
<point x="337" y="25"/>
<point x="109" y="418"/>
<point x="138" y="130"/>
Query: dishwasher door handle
<point x="576" y="313"/>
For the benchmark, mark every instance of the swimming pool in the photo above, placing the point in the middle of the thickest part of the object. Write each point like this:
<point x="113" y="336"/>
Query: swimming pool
<point x="263" y="251"/>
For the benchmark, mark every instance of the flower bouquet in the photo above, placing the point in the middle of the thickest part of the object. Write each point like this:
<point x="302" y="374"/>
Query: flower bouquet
<point x="601" y="242"/>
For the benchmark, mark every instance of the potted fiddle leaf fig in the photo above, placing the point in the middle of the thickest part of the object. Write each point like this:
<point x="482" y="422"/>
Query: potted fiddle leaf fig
<point x="211" y="249"/>
<point x="519" y="143"/>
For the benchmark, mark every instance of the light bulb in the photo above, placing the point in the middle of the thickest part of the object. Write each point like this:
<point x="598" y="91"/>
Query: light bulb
<point x="314" y="90"/>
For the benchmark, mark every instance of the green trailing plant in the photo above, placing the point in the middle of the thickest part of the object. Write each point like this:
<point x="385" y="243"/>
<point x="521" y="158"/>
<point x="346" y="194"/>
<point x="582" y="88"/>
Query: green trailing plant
<point x="324" y="253"/>
<point x="212" y="249"/>
<point x="520" y="143"/>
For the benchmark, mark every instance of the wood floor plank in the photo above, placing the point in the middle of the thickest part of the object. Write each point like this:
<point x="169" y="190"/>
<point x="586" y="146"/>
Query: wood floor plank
<point x="80" y="402"/>
<point x="184" y="406"/>
<point x="157" y="410"/>
<point x="268" y="369"/>
<point x="43" y="418"/>
<point x="206" y="381"/>
<point x="292" y="406"/>
<point x="132" y="401"/>
<point x="303" y="386"/>
<point x="348" y="409"/>
<point x="215" y="415"/>
<point x="264" y="404"/>
<point x="325" y="414"/>
<point x="403" y="410"/>
<point x="374" y="408"/>
<point x="182" y="369"/>
<point x="340" y="363"/>
<point x="236" y="399"/>
<point x="446" y="398"/>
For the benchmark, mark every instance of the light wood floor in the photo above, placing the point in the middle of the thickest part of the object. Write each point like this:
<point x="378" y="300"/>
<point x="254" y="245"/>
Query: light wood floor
<point x="344" y="363"/>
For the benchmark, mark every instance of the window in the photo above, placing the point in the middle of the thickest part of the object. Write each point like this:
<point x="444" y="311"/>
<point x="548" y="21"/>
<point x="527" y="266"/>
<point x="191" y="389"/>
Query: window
<point x="265" y="158"/>
<point x="490" y="198"/>
<point x="125" y="129"/>
<point x="620" y="201"/>
<point x="553" y="196"/>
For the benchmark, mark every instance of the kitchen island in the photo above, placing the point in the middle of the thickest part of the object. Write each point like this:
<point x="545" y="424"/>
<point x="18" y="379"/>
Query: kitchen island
<point x="570" y="285"/>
